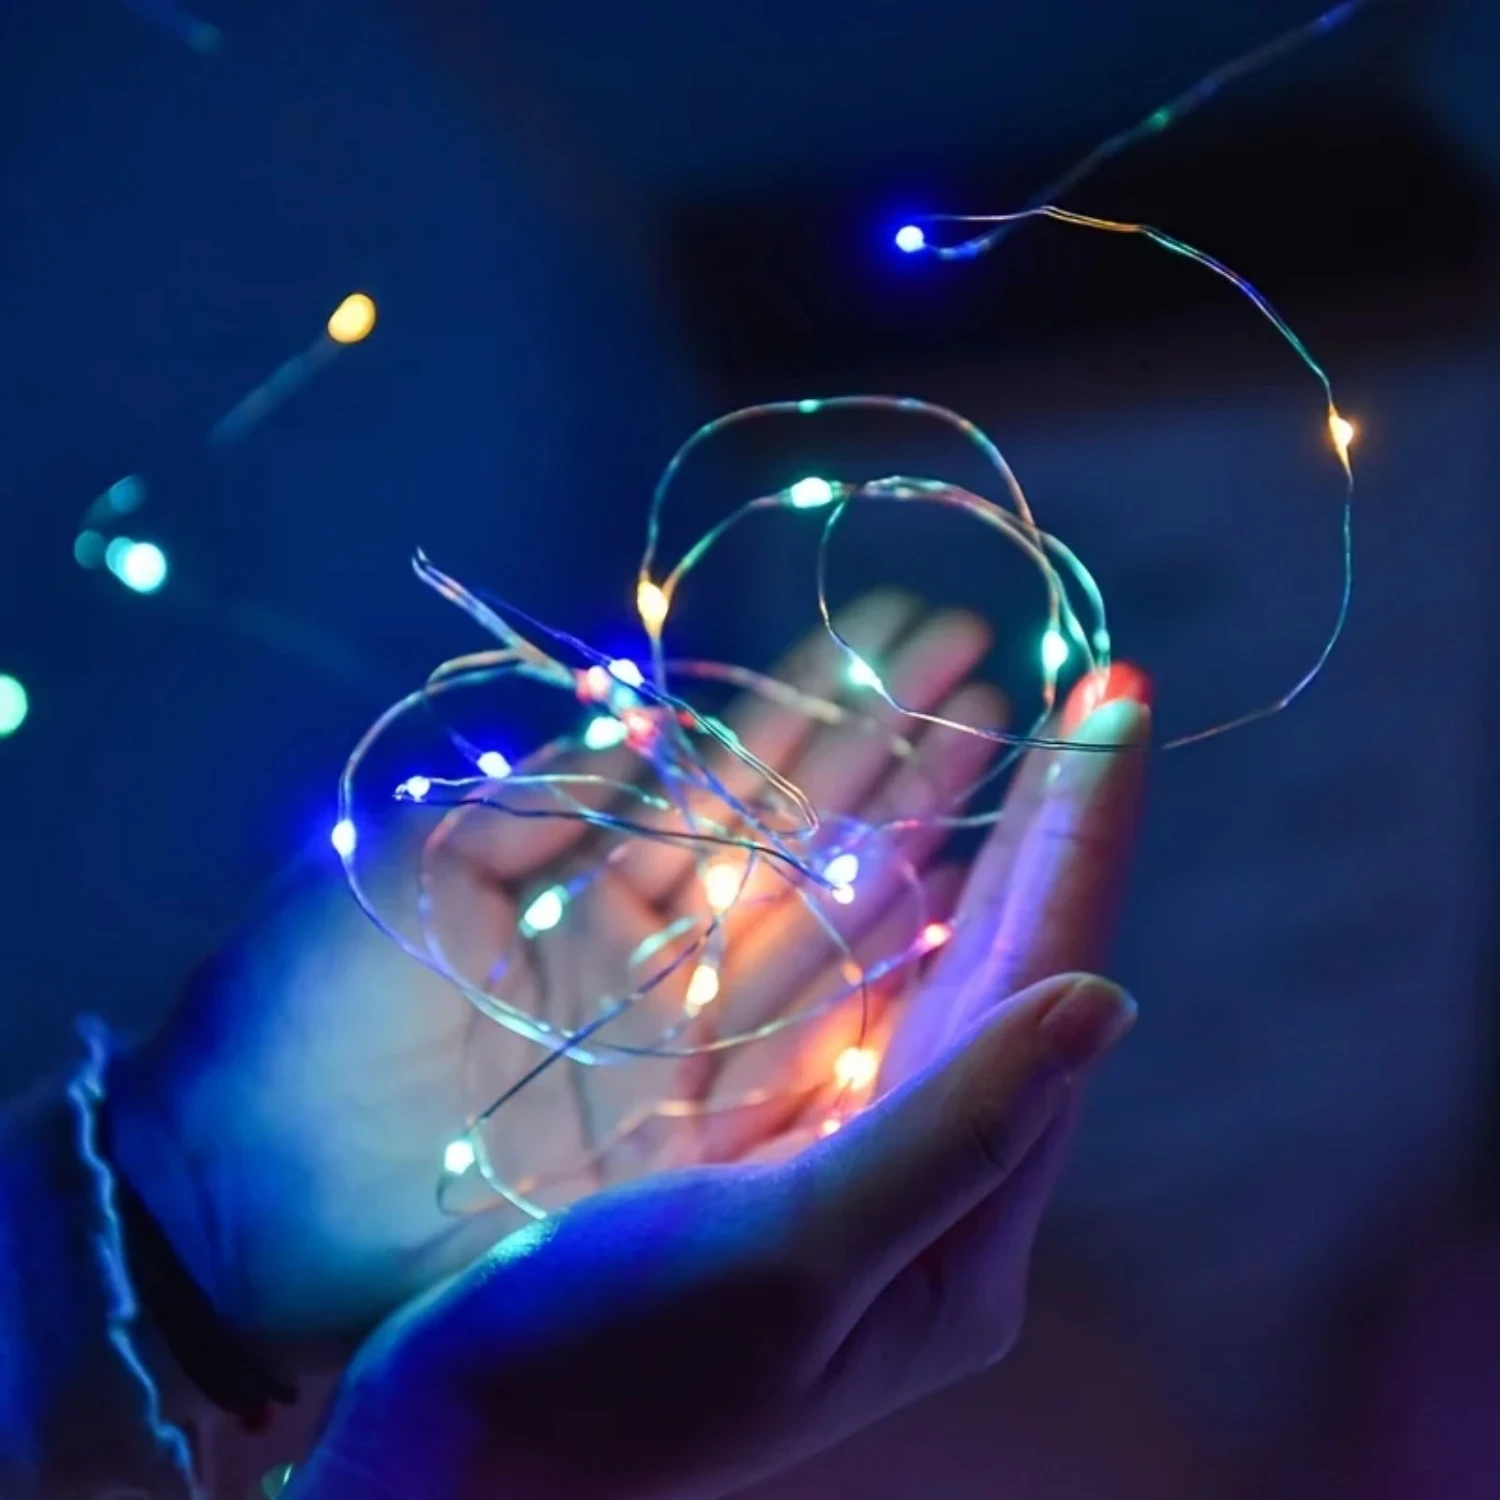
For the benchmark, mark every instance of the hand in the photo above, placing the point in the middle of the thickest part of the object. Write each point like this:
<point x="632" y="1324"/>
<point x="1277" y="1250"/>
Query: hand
<point x="288" y="1124"/>
<point x="689" y="1334"/>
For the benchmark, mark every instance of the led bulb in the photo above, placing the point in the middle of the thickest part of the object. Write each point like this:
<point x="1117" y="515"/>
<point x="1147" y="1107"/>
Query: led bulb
<point x="1343" y="432"/>
<point x="861" y="674"/>
<point x="933" y="936"/>
<point x="141" y="566"/>
<point x="830" y="1126"/>
<point x="604" y="733"/>
<point x="545" y="911"/>
<point x="910" y="238"/>
<point x="721" y="885"/>
<point x="841" y="869"/>
<point x="843" y="894"/>
<point x="493" y="764"/>
<point x="856" y="1068"/>
<point x="352" y="320"/>
<point x="808" y="494"/>
<point x="652" y="604"/>
<point x="344" y="837"/>
<point x="703" y="987"/>
<point x="594" y="684"/>
<point x="1054" y="651"/>
<point x="459" y="1156"/>
<point x="626" y="672"/>
<point x="414" y="788"/>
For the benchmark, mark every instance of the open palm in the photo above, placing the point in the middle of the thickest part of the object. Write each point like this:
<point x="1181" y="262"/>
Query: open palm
<point x="313" y="1075"/>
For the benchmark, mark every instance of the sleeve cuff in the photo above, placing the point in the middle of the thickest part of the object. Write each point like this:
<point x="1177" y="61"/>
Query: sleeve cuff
<point x="80" y="1409"/>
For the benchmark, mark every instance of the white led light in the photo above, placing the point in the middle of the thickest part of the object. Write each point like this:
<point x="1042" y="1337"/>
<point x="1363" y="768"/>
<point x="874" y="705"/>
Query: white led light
<point x="604" y="733"/>
<point x="842" y="869"/>
<point x="1054" y="651"/>
<point x="414" y="788"/>
<point x="545" y="911"/>
<point x="14" y="705"/>
<point x="856" y="1068"/>
<point x="861" y="673"/>
<point x="141" y="566"/>
<point x="721" y="884"/>
<point x="493" y="764"/>
<point x="703" y="987"/>
<point x="809" y="494"/>
<point x="344" y="837"/>
<point x="458" y="1157"/>
<point x="626" y="672"/>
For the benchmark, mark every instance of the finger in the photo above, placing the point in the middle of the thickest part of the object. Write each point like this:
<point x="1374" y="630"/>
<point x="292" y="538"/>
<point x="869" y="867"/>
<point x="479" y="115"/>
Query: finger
<point x="776" y="950"/>
<point x="896" y="1179"/>
<point x="960" y="1305"/>
<point x="1028" y="789"/>
<point x="515" y="826"/>
<point x="844" y="764"/>
<point x="1051" y="906"/>
<point x="797" y="1067"/>
<point x="773" y="733"/>
<point x="841" y="766"/>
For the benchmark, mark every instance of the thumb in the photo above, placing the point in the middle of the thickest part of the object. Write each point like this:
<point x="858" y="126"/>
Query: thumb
<point x="898" y="1177"/>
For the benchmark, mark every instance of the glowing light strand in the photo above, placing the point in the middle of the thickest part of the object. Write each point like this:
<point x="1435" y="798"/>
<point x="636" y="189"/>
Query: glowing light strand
<point x="770" y="840"/>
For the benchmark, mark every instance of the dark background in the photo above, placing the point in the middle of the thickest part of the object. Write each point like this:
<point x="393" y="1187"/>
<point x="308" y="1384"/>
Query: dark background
<point x="589" y="227"/>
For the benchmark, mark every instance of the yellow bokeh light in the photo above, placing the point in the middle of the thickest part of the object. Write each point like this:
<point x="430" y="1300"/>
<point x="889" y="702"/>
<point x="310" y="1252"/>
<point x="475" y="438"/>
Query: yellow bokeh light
<point x="651" y="604"/>
<point x="721" y="884"/>
<point x="352" y="319"/>
<point x="856" y="1068"/>
<point x="1343" y="432"/>
<point x="703" y="987"/>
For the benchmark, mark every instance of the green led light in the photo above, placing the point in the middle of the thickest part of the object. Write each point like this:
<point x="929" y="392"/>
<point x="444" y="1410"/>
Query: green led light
<point x="14" y="705"/>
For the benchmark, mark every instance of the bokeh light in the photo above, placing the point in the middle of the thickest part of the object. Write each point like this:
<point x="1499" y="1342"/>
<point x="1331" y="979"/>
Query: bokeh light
<point x="14" y="705"/>
<point x="140" y="566"/>
<point x="352" y="320"/>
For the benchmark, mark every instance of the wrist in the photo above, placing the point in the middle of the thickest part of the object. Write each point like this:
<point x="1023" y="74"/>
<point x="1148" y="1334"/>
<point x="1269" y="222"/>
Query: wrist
<point x="173" y="1246"/>
<point x="77" y="1356"/>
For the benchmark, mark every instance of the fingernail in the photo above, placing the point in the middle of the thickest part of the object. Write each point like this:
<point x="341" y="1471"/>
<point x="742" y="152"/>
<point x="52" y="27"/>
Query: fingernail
<point x="1120" y="680"/>
<point x="1086" y="1022"/>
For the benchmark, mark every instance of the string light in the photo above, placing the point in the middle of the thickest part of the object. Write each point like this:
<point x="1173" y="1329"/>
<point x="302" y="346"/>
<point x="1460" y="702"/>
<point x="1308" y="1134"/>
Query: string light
<point x="750" y="835"/>
<point x="353" y="320"/>
<point x="493" y="764"/>
<point x="459" y="1156"/>
<point x="14" y="705"/>
<point x="140" y="566"/>
<point x="603" y="733"/>
<point x="651" y="604"/>
<point x="855" y="1068"/>
<point x="344" y="838"/>
<point x="933" y="936"/>
<point x="703" y="987"/>
<point x="910" y="238"/>
<point x="811" y="493"/>
<point x="350" y="323"/>
<point x="545" y="912"/>
<point x="1054" y="651"/>
<point x="721" y="886"/>
<point x="1343" y="432"/>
